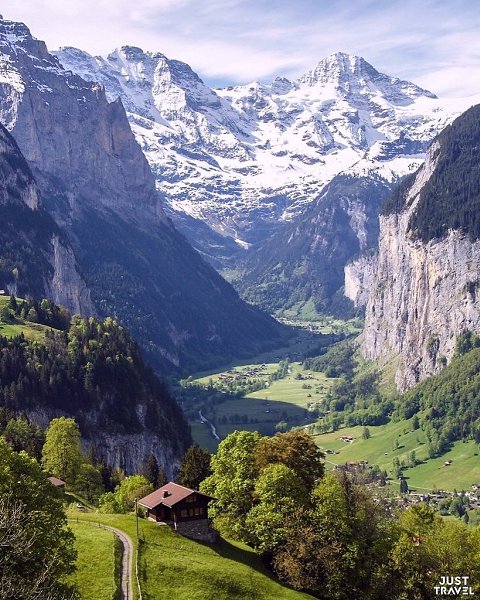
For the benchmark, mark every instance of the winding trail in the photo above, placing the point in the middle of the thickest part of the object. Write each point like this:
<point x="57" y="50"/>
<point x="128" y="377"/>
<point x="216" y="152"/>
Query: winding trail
<point x="127" y="557"/>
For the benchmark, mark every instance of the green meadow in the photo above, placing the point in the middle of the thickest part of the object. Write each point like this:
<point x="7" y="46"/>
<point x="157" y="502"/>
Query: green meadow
<point x="397" y="440"/>
<point x="174" y="567"/>
<point x="96" y="549"/>
<point x="285" y="400"/>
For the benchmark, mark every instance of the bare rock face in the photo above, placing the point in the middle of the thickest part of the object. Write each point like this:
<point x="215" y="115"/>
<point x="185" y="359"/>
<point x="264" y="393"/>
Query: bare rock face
<point x="55" y="273"/>
<point x="359" y="277"/>
<point x="70" y="134"/>
<point x="423" y="294"/>
<point x="66" y="286"/>
<point x="124" y="451"/>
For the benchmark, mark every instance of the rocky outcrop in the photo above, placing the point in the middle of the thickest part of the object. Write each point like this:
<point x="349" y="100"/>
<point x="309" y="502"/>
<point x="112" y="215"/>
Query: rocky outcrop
<point x="66" y="286"/>
<point x="424" y="293"/>
<point x="124" y="451"/>
<point x="36" y="261"/>
<point x="359" y="278"/>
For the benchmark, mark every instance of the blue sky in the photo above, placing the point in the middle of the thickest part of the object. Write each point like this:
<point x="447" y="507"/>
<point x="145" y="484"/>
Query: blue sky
<point x="435" y="43"/>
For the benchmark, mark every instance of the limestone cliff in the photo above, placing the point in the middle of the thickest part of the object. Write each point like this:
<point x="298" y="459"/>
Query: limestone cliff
<point x="35" y="259"/>
<point x="424" y="291"/>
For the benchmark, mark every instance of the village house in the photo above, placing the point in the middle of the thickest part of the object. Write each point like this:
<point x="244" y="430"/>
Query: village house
<point x="182" y="508"/>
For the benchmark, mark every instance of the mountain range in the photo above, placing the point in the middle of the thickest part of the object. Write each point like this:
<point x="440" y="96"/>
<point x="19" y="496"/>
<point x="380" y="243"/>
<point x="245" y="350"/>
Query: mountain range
<point x="278" y="185"/>
<point x="96" y="186"/>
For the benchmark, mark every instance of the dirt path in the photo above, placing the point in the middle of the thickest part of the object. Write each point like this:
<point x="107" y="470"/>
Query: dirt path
<point x="127" y="557"/>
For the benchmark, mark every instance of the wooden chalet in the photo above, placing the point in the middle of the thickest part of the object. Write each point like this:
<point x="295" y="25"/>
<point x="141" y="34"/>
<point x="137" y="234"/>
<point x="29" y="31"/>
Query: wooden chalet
<point x="174" y="503"/>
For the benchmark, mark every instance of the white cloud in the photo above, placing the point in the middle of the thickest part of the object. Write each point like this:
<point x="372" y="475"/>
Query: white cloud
<point x="435" y="44"/>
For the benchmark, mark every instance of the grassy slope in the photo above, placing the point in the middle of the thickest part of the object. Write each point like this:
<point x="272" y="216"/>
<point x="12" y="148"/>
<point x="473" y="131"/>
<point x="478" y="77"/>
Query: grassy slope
<point x="32" y="331"/>
<point x="464" y="470"/>
<point x="174" y="567"/>
<point x="96" y="562"/>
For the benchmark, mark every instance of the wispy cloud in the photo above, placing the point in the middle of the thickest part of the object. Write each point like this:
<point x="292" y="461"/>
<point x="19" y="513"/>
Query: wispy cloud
<point x="435" y="44"/>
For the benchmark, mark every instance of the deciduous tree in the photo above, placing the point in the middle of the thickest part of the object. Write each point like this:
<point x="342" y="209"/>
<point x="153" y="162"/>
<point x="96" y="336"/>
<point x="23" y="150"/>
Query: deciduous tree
<point x="36" y="548"/>
<point x="62" y="453"/>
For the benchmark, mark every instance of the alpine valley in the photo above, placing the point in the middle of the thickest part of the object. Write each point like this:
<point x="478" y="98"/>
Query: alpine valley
<point x="248" y="314"/>
<point x="128" y="260"/>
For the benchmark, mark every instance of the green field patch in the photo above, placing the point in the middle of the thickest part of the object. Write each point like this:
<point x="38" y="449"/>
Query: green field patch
<point x="32" y="331"/>
<point x="464" y="469"/>
<point x="174" y="567"/>
<point x="279" y="404"/>
<point x="95" y="575"/>
<point x="381" y="448"/>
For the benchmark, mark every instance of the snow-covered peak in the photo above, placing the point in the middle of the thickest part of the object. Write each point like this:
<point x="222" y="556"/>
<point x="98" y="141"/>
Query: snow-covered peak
<point x="337" y="69"/>
<point x="351" y="75"/>
<point x="243" y="157"/>
<point x="16" y="32"/>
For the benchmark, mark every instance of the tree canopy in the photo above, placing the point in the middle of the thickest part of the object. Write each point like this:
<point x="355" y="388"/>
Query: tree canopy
<point x="37" y="549"/>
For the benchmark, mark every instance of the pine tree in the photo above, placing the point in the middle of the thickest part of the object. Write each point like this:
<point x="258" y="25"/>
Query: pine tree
<point x="151" y="470"/>
<point x="195" y="467"/>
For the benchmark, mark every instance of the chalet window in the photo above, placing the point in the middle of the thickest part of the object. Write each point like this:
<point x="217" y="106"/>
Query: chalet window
<point x="197" y="511"/>
<point x="191" y="498"/>
<point x="190" y="512"/>
<point x="184" y="512"/>
<point x="200" y="510"/>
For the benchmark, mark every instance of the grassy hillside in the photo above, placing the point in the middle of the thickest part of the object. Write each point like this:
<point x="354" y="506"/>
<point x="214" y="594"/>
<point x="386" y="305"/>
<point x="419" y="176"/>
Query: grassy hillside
<point x="171" y="566"/>
<point x="397" y="440"/>
<point x="95" y="576"/>
<point x="32" y="331"/>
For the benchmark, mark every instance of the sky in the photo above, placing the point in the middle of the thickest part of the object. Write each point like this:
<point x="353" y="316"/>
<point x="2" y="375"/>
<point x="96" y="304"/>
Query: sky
<point x="434" y="43"/>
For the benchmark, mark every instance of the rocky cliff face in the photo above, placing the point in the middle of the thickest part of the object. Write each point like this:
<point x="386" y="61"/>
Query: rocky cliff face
<point x="97" y="184"/>
<point x="70" y="134"/>
<point x="359" y="277"/>
<point x="424" y="292"/>
<point x="36" y="259"/>
<point x="124" y="451"/>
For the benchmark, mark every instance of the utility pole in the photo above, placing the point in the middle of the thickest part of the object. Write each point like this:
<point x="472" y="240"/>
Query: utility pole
<point x="136" y="516"/>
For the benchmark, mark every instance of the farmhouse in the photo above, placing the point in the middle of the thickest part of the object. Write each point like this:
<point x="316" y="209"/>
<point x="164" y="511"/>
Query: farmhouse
<point x="182" y="508"/>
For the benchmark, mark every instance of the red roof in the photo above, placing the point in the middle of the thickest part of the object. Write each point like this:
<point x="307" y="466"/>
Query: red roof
<point x="56" y="481"/>
<point x="169" y="495"/>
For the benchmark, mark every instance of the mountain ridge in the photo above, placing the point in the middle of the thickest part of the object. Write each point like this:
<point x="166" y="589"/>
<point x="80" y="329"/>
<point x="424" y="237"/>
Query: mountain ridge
<point x="246" y="159"/>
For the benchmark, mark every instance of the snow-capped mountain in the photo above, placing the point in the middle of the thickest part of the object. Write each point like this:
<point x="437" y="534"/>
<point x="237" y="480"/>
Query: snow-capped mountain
<point x="95" y="182"/>
<point x="244" y="159"/>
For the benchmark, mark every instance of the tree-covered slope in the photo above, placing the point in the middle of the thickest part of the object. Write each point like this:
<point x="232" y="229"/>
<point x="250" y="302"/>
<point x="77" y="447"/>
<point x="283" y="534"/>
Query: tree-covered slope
<point x="450" y="199"/>
<point x="93" y="371"/>
<point x="304" y="261"/>
<point x="449" y="403"/>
